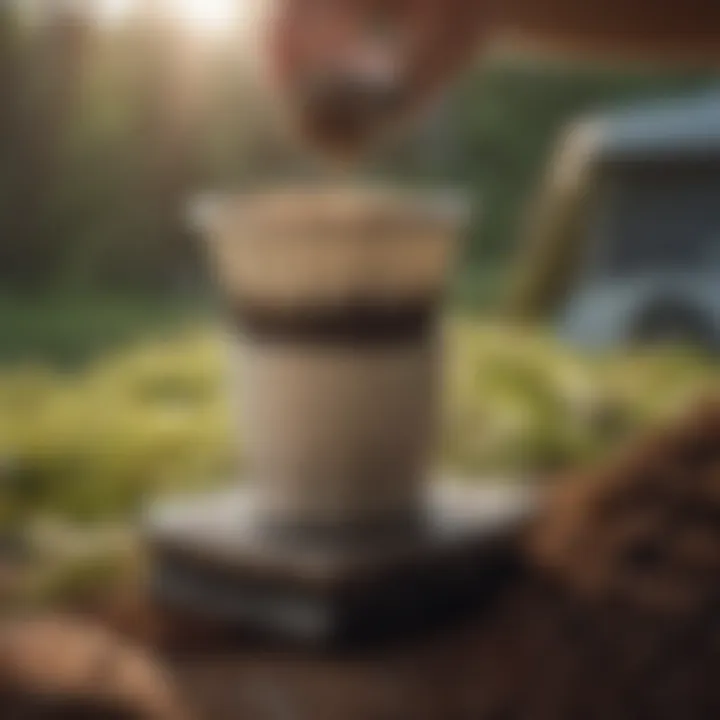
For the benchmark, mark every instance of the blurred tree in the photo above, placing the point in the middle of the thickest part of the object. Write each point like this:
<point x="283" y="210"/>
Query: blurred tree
<point x="41" y="87"/>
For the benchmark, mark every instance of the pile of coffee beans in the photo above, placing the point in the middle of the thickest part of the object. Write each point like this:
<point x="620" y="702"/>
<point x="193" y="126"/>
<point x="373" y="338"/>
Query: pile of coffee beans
<point x="617" y="612"/>
<point x="642" y="531"/>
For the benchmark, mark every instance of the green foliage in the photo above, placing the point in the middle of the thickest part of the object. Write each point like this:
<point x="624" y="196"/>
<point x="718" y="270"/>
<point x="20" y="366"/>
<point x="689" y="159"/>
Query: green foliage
<point x="67" y="330"/>
<point x="522" y="405"/>
<point x="94" y="444"/>
<point x="97" y="444"/>
<point x="81" y="573"/>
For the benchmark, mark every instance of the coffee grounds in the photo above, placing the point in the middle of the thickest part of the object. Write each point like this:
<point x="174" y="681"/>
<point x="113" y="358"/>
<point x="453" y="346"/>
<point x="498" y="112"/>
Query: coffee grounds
<point x="642" y="531"/>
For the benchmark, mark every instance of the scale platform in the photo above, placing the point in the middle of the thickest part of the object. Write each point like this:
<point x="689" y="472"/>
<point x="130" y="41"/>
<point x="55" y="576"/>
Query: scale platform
<point x="211" y="560"/>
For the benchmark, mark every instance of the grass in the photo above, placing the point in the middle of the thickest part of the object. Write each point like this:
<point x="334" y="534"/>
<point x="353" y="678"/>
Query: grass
<point x="68" y="330"/>
<point x="94" y="443"/>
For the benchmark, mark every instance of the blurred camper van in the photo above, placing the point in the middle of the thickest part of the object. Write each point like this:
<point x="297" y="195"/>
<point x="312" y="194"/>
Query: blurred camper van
<point x="625" y="240"/>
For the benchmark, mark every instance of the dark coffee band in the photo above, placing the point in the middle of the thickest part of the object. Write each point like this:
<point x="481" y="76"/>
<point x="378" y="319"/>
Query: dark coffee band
<point x="353" y="324"/>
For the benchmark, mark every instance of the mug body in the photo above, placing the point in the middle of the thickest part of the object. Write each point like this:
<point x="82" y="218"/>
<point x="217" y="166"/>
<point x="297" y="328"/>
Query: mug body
<point x="334" y="297"/>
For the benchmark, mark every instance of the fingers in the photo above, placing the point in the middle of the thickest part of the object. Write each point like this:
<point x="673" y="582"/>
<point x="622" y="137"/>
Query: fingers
<point x="55" y="661"/>
<point x="349" y="69"/>
<point x="449" y="36"/>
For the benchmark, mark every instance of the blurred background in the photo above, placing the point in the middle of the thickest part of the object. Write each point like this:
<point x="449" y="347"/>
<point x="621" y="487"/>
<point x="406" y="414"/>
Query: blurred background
<point x="562" y="342"/>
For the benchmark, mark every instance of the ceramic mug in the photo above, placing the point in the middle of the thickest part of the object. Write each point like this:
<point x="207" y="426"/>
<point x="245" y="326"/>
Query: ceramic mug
<point x="334" y="297"/>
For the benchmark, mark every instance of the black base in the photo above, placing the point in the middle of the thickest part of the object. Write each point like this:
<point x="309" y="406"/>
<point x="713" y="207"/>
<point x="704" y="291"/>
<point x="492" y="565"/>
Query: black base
<point x="210" y="559"/>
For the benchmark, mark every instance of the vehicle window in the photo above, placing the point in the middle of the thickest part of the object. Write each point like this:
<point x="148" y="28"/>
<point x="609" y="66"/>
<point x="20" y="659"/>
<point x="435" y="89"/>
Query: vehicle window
<point x="658" y="221"/>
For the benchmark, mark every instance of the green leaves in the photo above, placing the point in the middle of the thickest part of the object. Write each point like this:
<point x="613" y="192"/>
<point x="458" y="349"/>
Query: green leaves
<point x="520" y="405"/>
<point x="97" y="444"/>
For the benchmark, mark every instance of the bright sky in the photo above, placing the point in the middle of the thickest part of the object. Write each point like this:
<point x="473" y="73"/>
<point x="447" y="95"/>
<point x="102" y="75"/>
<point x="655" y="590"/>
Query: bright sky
<point x="206" y="16"/>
